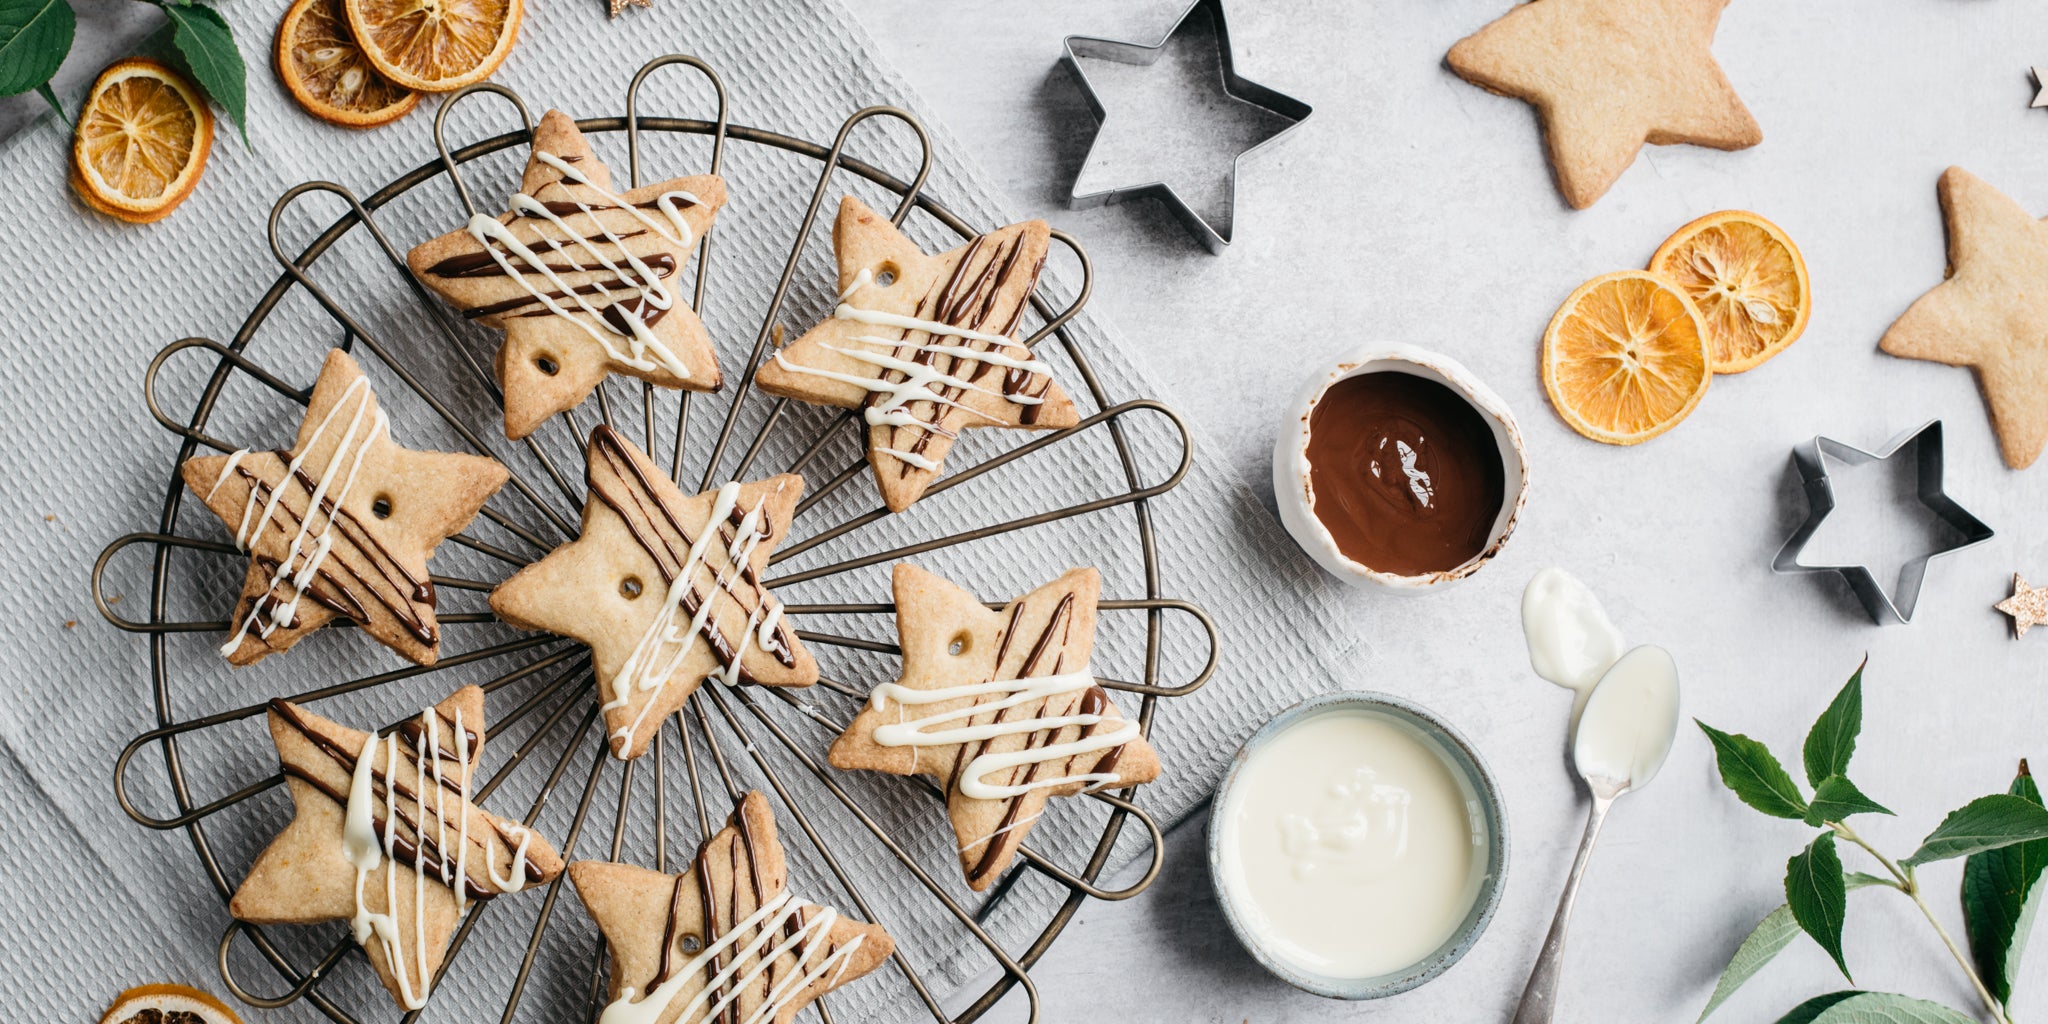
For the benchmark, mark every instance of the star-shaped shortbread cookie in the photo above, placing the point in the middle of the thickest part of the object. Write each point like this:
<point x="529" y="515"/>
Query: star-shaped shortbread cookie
<point x="1607" y="76"/>
<point x="584" y="281"/>
<point x="1991" y="314"/>
<point x="2028" y="606"/>
<point x="724" y="937"/>
<point x="362" y="554"/>
<point x="999" y="707"/>
<point x="634" y="587"/>
<point x="403" y="887"/>
<point x="925" y="346"/>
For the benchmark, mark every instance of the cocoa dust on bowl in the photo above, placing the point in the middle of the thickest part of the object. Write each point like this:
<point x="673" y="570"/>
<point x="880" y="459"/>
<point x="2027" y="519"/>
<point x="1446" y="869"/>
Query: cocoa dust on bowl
<point x="1398" y="468"/>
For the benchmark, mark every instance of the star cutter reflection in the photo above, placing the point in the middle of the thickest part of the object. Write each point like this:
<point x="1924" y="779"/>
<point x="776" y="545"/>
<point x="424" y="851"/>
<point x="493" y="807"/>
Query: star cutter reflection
<point x="1925" y="442"/>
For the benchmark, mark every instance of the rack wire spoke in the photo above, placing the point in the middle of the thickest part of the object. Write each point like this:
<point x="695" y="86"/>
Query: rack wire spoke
<point x="823" y="848"/>
<point x="547" y="907"/>
<point x="1040" y="443"/>
<point x="1136" y="493"/>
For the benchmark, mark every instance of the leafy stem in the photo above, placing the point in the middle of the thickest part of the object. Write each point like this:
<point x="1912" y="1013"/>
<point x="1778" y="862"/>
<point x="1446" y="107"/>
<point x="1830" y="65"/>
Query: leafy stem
<point x="2002" y="840"/>
<point x="1905" y="882"/>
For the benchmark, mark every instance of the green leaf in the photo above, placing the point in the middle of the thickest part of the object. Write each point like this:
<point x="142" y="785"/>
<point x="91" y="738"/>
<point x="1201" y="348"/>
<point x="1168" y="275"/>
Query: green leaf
<point x="1749" y="770"/>
<point x="50" y="96"/>
<point x="34" y="37"/>
<point x="1836" y="798"/>
<point x="1986" y="823"/>
<point x="1818" y="896"/>
<point x="2001" y="896"/>
<point x="1880" y="1008"/>
<point x="1805" y="1012"/>
<point x="206" y="46"/>
<point x="1765" y="942"/>
<point x="1832" y="740"/>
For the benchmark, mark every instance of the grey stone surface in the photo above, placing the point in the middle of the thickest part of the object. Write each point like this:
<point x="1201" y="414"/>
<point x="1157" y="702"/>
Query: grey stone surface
<point x="1413" y="207"/>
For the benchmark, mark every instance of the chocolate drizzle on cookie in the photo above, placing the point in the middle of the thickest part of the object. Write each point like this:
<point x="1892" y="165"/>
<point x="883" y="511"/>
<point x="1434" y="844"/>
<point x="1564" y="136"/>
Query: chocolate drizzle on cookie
<point x="758" y="954"/>
<point x="925" y="346"/>
<point x="970" y="302"/>
<point x="572" y="237"/>
<point x="418" y="842"/>
<point x="1093" y="701"/>
<point x="618" y="476"/>
<point x="357" y="564"/>
<point x="1029" y="724"/>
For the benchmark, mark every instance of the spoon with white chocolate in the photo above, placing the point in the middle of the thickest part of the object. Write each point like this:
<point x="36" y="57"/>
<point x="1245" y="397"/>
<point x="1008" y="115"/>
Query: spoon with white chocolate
<point x="1623" y="736"/>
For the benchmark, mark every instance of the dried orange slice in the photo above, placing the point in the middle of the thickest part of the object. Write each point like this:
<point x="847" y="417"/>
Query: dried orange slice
<point x="435" y="45"/>
<point x="319" y="61"/>
<point x="1625" y="358"/>
<point x="140" y="142"/>
<point x="1748" y="280"/>
<point x="167" y="1004"/>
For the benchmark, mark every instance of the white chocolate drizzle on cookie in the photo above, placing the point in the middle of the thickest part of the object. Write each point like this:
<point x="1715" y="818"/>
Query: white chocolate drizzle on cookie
<point x="369" y="844"/>
<point x="802" y="928"/>
<point x="686" y="616"/>
<point x="383" y="801"/>
<point x="911" y="371"/>
<point x="1038" y="690"/>
<point x="641" y="298"/>
<point x="735" y="960"/>
<point x="295" y="576"/>
<point x="1045" y="710"/>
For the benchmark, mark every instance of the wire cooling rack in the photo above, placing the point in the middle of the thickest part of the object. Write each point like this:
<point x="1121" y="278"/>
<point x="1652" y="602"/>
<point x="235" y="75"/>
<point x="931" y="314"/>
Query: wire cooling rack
<point x="781" y="737"/>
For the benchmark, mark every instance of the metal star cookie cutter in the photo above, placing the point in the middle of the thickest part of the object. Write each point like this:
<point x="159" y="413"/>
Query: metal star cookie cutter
<point x="1811" y="458"/>
<point x="1212" y="236"/>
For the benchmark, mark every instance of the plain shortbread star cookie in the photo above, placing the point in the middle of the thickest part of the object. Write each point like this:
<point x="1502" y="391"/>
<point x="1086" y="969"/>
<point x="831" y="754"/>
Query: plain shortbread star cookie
<point x="728" y="920"/>
<point x="1607" y="76"/>
<point x="363" y="555"/>
<point x="1058" y="742"/>
<point x="918" y="387"/>
<point x="305" y="875"/>
<point x="1991" y="314"/>
<point x="634" y="587"/>
<point x="565" y="311"/>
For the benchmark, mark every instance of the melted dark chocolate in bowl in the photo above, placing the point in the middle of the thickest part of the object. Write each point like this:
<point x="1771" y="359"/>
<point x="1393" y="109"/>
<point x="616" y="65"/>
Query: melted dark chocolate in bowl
<point x="1405" y="472"/>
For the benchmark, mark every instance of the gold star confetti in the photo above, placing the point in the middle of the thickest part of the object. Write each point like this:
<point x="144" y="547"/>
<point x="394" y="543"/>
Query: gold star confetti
<point x="2028" y="606"/>
<point x="619" y="6"/>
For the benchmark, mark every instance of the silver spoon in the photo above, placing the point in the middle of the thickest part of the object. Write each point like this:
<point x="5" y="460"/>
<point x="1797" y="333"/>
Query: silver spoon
<point x="1626" y="730"/>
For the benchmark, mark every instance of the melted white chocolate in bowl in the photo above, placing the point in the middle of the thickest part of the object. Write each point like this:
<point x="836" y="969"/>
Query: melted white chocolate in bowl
<point x="1347" y="845"/>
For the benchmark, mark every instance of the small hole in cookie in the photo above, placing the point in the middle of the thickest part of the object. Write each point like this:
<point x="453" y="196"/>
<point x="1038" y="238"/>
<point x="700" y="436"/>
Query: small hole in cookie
<point x="630" y="587"/>
<point x="959" y="644"/>
<point x="691" y="944"/>
<point x="886" y="276"/>
<point x="381" y="506"/>
<point x="547" y="365"/>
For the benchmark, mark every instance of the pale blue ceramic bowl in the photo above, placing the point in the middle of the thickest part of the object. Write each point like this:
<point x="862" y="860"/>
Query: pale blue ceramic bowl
<point x="1482" y="805"/>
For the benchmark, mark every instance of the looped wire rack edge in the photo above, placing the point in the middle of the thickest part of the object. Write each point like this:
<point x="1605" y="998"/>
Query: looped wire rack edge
<point x="555" y="678"/>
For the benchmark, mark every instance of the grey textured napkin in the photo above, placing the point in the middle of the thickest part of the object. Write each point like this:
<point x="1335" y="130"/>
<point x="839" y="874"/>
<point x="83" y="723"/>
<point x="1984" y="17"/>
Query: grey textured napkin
<point x="99" y="903"/>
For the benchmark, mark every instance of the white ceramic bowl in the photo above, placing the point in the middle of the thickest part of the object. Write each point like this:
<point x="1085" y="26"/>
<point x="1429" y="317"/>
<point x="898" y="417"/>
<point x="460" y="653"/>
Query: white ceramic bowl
<point x="1483" y="807"/>
<point x="1295" y="493"/>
